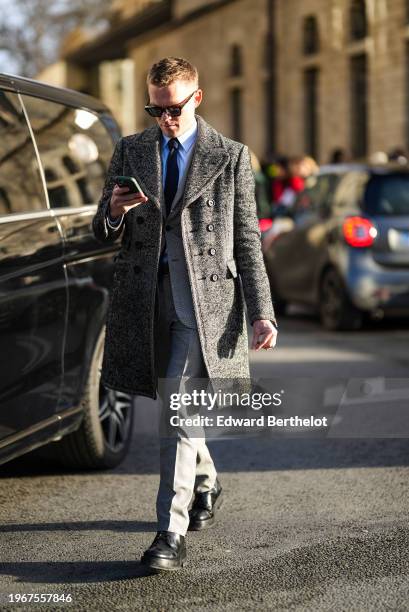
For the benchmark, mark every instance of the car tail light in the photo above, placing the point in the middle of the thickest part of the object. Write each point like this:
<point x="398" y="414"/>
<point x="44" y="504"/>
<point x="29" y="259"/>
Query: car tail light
<point x="359" y="232"/>
<point x="265" y="224"/>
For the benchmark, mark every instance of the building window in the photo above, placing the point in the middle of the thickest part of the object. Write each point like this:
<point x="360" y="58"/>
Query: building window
<point x="311" y="100"/>
<point x="236" y="62"/>
<point x="236" y="113"/>
<point x="407" y="91"/>
<point x="311" y="43"/>
<point x="267" y="52"/>
<point x="269" y="93"/>
<point x="359" y="105"/>
<point x="269" y="100"/>
<point x="358" y="22"/>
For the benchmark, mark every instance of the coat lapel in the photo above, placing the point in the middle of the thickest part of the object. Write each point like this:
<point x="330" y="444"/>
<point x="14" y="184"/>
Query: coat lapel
<point x="149" y="166"/>
<point x="208" y="161"/>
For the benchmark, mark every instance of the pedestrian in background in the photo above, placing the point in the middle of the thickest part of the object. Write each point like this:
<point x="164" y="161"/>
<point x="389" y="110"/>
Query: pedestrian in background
<point x="287" y="184"/>
<point x="338" y="156"/>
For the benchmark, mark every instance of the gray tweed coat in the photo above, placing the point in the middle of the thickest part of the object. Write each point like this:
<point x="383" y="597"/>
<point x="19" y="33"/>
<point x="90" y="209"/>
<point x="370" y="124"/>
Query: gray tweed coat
<point x="220" y="170"/>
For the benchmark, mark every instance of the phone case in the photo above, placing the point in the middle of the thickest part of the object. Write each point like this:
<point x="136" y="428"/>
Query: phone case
<point x="127" y="181"/>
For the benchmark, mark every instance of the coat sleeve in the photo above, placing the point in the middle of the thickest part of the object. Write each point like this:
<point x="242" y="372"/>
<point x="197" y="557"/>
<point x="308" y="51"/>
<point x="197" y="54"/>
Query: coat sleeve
<point x="247" y="243"/>
<point x="102" y="231"/>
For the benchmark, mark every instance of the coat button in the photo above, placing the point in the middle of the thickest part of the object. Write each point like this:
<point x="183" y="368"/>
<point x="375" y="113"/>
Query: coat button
<point x="168" y="227"/>
<point x="214" y="277"/>
<point x="140" y="220"/>
<point x="137" y="269"/>
<point x="210" y="227"/>
<point x="210" y="202"/>
<point x="138" y="244"/>
<point x="212" y="251"/>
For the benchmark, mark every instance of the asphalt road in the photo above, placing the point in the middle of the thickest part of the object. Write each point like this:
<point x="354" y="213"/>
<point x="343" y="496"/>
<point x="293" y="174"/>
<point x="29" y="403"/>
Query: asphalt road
<point x="317" y="523"/>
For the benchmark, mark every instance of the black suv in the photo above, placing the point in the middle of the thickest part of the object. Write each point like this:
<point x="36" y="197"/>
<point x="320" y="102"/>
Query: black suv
<point x="346" y="250"/>
<point x="55" y="278"/>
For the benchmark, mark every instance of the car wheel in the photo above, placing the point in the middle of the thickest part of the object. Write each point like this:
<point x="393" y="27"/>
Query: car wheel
<point x="336" y="309"/>
<point x="102" y="441"/>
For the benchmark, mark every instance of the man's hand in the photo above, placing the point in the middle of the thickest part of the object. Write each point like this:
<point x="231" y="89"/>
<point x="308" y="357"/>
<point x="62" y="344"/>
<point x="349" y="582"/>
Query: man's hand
<point x="264" y="335"/>
<point x="122" y="201"/>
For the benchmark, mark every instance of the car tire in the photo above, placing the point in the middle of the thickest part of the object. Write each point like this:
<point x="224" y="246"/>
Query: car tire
<point x="337" y="312"/>
<point x="103" y="438"/>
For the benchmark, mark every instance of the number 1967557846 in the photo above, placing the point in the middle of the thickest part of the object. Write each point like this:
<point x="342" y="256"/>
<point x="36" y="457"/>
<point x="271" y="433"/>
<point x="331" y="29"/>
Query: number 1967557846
<point x="39" y="597"/>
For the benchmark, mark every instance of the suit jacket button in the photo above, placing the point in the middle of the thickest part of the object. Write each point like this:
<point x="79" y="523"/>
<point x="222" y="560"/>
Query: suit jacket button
<point x="210" y="202"/>
<point x="214" y="277"/>
<point x="212" y="251"/>
<point x="137" y="269"/>
<point x="140" y="220"/>
<point x="210" y="227"/>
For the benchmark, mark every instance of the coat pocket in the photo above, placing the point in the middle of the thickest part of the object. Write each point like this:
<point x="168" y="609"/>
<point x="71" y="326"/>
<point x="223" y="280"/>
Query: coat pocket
<point x="231" y="266"/>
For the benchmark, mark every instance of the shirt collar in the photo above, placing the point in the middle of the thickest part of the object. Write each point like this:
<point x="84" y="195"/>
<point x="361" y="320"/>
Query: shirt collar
<point x="186" y="139"/>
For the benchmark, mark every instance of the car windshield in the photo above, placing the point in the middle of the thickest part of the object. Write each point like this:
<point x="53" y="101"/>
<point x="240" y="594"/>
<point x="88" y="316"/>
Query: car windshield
<point x="388" y="195"/>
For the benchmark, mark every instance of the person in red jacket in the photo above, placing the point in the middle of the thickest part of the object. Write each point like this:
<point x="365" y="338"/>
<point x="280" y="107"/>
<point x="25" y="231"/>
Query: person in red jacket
<point x="287" y="183"/>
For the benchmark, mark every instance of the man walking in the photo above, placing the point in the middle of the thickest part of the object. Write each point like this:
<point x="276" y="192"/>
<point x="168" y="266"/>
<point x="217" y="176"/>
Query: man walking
<point x="190" y="256"/>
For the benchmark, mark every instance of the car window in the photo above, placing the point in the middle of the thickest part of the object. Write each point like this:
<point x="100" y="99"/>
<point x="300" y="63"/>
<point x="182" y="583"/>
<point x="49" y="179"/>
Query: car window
<point x="350" y="191"/>
<point x="75" y="149"/>
<point x="306" y="199"/>
<point x="316" y="194"/>
<point x="388" y="195"/>
<point x="21" y="189"/>
<point x="326" y="186"/>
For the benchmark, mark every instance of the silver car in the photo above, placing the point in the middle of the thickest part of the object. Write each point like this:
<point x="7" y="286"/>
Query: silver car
<point x="346" y="249"/>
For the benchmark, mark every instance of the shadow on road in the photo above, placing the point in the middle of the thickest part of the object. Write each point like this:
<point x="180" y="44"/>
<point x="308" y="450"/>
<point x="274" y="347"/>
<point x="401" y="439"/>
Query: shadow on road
<point x="305" y="315"/>
<point x="74" y="572"/>
<point x="247" y="455"/>
<point x="66" y="526"/>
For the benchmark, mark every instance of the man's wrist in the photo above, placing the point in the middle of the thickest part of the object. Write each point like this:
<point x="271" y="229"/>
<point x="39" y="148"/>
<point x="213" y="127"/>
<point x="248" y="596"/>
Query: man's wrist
<point x="112" y="218"/>
<point x="265" y="319"/>
<point x="113" y="222"/>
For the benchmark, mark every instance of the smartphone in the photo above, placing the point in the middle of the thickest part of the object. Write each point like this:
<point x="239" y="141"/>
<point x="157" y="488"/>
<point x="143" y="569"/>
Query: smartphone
<point x="129" y="181"/>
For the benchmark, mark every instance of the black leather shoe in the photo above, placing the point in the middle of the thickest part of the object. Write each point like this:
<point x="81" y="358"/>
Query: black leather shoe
<point x="202" y="513"/>
<point x="167" y="551"/>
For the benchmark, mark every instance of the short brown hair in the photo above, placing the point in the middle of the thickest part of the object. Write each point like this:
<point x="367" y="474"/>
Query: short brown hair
<point x="170" y="69"/>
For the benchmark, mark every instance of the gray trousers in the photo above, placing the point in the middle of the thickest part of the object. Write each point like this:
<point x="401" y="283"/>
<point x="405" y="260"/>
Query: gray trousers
<point x="185" y="462"/>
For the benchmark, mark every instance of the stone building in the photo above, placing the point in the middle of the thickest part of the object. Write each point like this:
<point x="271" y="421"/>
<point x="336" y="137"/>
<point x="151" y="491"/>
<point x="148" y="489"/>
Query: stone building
<point x="342" y="75"/>
<point x="283" y="76"/>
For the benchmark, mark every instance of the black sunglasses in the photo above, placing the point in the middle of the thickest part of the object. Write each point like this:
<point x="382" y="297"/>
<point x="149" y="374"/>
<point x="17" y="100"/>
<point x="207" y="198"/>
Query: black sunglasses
<point x="174" y="111"/>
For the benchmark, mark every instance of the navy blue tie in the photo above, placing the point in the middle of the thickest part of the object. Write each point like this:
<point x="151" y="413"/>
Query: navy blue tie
<point x="172" y="174"/>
